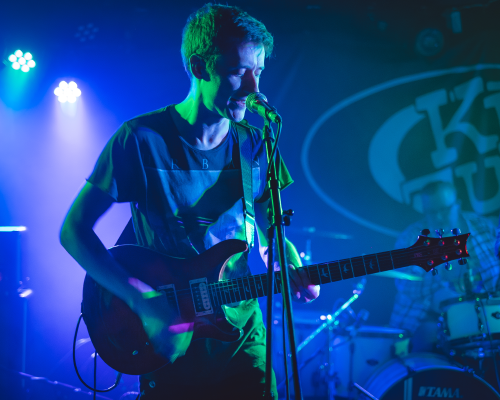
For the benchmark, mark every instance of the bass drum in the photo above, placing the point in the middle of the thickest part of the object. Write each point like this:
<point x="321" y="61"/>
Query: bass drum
<point x="425" y="375"/>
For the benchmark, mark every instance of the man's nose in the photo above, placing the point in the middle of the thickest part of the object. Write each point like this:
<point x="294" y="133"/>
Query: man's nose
<point x="250" y="83"/>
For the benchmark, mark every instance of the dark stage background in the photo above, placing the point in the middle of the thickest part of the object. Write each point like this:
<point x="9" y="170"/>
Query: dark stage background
<point x="368" y="121"/>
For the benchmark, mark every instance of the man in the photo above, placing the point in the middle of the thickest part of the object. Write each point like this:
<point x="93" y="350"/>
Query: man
<point x="417" y="304"/>
<point x="179" y="168"/>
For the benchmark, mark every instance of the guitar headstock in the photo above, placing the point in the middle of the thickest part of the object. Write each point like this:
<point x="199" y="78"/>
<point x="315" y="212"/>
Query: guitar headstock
<point x="429" y="252"/>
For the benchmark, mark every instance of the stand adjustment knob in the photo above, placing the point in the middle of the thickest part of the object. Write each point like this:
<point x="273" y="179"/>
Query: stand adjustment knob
<point x="287" y="217"/>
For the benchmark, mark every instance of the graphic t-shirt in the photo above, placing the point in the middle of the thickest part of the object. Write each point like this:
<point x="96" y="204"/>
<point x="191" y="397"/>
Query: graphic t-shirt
<point x="184" y="201"/>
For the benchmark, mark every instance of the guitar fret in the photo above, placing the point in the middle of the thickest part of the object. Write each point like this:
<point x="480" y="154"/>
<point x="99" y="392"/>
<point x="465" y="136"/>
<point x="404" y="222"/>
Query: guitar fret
<point x="221" y="293"/>
<point x="392" y="261"/>
<point x="261" y="285"/>
<point x="314" y="274"/>
<point x="248" y="290"/>
<point x="385" y="261"/>
<point x="241" y="285"/>
<point x="336" y="275"/>
<point x="358" y="266"/>
<point x="230" y="290"/>
<point x="346" y="269"/>
<point x="225" y="291"/>
<point x="324" y="273"/>
<point x="253" y="287"/>
<point x="218" y="297"/>
<point x="277" y="282"/>
<point x="214" y="290"/>
<point x="371" y="264"/>
<point x="212" y="299"/>
<point x="235" y="287"/>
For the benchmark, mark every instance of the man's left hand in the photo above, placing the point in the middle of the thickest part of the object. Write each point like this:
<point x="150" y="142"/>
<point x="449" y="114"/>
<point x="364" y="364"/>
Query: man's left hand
<point x="303" y="289"/>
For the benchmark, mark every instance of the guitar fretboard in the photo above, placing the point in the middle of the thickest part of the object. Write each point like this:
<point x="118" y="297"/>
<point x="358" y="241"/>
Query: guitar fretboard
<point x="255" y="286"/>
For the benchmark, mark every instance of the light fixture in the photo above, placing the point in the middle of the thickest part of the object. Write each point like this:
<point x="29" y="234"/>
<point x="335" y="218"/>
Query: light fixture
<point x="22" y="61"/>
<point x="86" y="32"/>
<point x="67" y="92"/>
<point x="429" y="42"/>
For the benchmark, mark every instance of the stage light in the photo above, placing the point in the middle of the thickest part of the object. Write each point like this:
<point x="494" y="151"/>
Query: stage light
<point x="21" y="61"/>
<point x="12" y="228"/>
<point x="25" y="292"/>
<point x="86" y="32"/>
<point x="429" y="42"/>
<point x="67" y="92"/>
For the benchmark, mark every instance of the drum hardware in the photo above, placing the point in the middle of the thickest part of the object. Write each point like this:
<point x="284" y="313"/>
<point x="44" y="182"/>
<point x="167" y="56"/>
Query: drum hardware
<point x="357" y="353"/>
<point x="364" y="391"/>
<point x="331" y="321"/>
<point x="426" y="375"/>
<point x="358" y="290"/>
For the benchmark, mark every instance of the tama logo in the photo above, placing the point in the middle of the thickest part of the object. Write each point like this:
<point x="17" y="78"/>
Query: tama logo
<point x="445" y="393"/>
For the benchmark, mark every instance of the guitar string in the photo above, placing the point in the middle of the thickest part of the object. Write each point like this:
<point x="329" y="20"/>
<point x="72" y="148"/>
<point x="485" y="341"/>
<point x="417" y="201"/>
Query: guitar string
<point x="228" y="285"/>
<point x="401" y="253"/>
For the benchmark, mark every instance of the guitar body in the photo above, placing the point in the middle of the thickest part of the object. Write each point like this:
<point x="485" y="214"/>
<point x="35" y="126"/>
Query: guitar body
<point x="195" y="289"/>
<point x="117" y="333"/>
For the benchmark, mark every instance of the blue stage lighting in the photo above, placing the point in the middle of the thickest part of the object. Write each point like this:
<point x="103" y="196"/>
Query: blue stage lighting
<point x="21" y="61"/>
<point x="67" y="92"/>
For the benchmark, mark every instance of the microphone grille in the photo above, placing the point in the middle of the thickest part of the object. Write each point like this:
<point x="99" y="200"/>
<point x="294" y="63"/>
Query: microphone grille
<point x="252" y="98"/>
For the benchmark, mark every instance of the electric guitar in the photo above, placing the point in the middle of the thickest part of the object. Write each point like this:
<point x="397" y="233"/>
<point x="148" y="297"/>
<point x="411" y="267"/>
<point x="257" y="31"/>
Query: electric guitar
<point x="193" y="288"/>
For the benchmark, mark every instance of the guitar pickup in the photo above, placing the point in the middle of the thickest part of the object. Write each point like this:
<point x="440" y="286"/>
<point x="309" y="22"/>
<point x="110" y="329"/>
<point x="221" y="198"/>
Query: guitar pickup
<point x="201" y="297"/>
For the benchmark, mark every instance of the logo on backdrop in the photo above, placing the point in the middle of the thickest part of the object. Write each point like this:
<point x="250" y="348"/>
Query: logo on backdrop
<point x="436" y="126"/>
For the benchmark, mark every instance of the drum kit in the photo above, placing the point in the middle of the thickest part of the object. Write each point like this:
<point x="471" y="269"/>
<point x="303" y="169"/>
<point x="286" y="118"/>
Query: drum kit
<point x="360" y="362"/>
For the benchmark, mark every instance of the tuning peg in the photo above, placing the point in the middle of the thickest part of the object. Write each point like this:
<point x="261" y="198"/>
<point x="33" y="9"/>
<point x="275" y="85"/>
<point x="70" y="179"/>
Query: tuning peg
<point x="434" y="271"/>
<point x="455" y="231"/>
<point x="440" y="232"/>
<point x="448" y="266"/>
<point x="425" y="232"/>
<point x="462" y="261"/>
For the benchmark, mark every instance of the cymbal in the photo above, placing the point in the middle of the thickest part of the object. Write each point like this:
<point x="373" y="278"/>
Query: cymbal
<point x="399" y="275"/>
<point x="312" y="231"/>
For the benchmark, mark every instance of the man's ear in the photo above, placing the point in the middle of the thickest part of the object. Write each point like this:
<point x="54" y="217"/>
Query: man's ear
<point x="198" y="67"/>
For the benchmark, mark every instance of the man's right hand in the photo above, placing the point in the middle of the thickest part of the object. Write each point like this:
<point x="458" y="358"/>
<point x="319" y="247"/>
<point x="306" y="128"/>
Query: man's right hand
<point x="168" y="333"/>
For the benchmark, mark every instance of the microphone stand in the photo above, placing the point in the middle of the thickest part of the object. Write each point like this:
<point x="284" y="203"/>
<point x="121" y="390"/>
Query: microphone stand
<point x="276" y="235"/>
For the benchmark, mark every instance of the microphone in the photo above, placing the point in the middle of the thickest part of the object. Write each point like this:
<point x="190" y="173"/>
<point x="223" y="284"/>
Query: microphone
<point x="257" y="102"/>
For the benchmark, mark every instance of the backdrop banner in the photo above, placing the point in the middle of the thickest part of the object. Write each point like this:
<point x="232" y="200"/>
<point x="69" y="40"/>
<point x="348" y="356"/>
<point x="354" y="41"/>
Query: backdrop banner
<point x="433" y="121"/>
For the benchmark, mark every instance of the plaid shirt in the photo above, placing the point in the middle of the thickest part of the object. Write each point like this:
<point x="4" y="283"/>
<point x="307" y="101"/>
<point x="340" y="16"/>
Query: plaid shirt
<point x="415" y="298"/>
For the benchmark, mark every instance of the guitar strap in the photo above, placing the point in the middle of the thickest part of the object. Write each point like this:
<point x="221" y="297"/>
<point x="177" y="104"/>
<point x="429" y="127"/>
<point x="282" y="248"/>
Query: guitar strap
<point x="245" y="145"/>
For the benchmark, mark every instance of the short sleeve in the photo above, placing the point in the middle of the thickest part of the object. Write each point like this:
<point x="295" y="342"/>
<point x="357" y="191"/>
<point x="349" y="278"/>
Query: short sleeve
<point x="119" y="170"/>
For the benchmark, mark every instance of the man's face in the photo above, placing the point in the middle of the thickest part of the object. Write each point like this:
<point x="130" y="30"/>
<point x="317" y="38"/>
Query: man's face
<point x="441" y="208"/>
<point x="236" y="75"/>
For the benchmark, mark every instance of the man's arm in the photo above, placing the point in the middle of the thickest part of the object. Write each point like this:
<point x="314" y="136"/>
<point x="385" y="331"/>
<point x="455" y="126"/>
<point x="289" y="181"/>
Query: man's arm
<point x="80" y="241"/>
<point x="303" y="290"/>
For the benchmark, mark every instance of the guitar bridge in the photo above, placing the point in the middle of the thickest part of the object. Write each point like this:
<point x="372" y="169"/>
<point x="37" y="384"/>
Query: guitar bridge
<point x="201" y="297"/>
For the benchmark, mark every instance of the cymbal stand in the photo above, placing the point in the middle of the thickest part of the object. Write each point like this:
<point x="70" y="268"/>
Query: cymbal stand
<point x="332" y="318"/>
<point x="364" y="391"/>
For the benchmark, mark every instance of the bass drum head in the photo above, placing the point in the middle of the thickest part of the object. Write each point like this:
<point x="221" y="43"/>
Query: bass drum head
<point x="425" y="375"/>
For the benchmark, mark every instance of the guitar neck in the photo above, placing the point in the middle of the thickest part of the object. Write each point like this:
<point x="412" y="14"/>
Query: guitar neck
<point x="255" y="286"/>
<point x="427" y="253"/>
